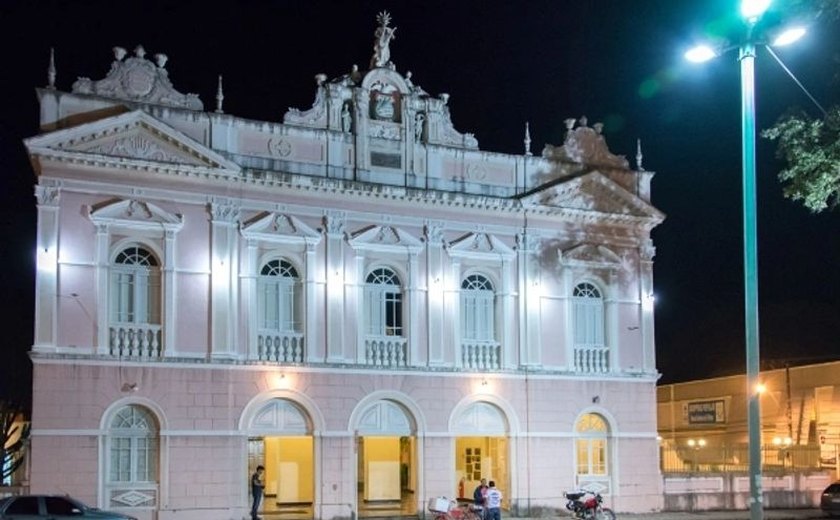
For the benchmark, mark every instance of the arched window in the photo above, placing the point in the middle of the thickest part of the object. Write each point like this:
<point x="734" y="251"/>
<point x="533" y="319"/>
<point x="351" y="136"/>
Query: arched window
<point x="591" y="447"/>
<point x="383" y="303"/>
<point x="278" y="297"/>
<point x="588" y="316"/>
<point x="133" y="447"/>
<point x="135" y="287"/>
<point x="477" y="309"/>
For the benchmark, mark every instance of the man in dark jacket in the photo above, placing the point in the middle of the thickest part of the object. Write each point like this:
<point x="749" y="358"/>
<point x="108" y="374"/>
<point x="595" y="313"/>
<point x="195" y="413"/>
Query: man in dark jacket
<point x="480" y="497"/>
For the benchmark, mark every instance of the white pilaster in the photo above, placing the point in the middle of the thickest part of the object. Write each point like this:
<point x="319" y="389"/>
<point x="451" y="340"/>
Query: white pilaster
<point x="413" y="308"/>
<point x="250" y="270"/>
<point x="101" y="262"/>
<point x="646" y="297"/>
<point x="334" y="266"/>
<point x="169" y="293"/>
<point x="611" y="321"/>
<point x="223" y="277"/>
<point x="46" y="271"/>
<point x="434" y="294"/>
<point x="309" y="299"/>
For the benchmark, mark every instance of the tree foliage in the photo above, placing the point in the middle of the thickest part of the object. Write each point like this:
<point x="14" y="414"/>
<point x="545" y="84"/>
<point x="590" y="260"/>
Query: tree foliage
<point x="14" y="434"/>
<point x="811" y="149"/>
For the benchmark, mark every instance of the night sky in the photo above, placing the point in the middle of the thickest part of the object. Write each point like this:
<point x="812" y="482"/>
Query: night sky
<point x="503" y="63"/>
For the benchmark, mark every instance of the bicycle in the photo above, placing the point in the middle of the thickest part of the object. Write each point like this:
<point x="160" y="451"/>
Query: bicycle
<point x="453" y="510"/>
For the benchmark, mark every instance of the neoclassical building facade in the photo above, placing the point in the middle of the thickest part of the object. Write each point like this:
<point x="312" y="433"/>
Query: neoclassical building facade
<point x="358" y="298"/>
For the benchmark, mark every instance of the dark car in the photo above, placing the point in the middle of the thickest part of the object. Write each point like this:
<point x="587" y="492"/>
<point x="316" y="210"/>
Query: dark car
<point x="830" y="500"/>
<point x="54" y="507"/>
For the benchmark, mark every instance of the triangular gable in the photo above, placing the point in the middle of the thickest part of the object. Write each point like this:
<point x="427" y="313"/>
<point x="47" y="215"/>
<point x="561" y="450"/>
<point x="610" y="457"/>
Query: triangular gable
<point x="589" y="255"/>
<point x="385" y="239"/>
<point x="479" y="245"/>
<point x="592" y="192"/>
<point x="136" y="215"/>
<point x="277" y="227"/>
<point x="133" y="136"/>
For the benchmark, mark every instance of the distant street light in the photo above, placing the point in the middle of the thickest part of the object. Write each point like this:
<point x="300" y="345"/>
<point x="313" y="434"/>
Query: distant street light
<point x="751" y="11"/>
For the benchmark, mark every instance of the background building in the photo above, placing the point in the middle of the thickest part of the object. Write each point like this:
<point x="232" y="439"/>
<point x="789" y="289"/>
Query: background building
<point x="800" y="417"/>
<point x="358" y="298"/>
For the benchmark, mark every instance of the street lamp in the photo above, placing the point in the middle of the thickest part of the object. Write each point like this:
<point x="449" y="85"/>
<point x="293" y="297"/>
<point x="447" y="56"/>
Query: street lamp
<point x="751" y="11"/>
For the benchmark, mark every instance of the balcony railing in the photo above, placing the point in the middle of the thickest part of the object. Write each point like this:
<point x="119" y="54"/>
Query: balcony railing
<point x="280" y="347"/>
<point x="592" y="359"/>
<point x="386" y="351"/>
<point x="480" y="355"/>
<point x="135" y="340"/>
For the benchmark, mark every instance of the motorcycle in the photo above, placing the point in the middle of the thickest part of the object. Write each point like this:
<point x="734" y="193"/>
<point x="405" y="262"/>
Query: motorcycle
<point x="588" y="506"/>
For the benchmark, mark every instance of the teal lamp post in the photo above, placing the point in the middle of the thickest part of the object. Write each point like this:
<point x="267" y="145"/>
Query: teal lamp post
<point x="751" y="10"/>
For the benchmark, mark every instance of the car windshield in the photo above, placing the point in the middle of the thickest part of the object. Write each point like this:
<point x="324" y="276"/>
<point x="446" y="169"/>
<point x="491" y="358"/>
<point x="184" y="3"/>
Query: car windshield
<point x="834" y="488"/>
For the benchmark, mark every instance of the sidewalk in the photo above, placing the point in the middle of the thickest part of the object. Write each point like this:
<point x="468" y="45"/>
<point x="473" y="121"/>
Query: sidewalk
<point x="769" y="514"/>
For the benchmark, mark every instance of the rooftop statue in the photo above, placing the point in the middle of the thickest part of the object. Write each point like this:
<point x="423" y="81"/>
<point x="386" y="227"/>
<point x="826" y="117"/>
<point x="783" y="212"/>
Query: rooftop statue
<point x="384" y="35"/>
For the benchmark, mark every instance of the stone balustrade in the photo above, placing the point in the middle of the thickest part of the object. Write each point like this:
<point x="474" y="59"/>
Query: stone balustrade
<point x="592" y="359"/>
<point x="135" y="340"/>
<point x="280" y="347"/>
<point x="386" y="351"/>
<point x="481" y="355"/>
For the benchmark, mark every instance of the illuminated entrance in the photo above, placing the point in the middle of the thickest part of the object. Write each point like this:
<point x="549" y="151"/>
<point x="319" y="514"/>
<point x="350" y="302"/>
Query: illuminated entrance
<point x="386" y="457"/>
<point x="481" y="449"/>
<point x="286" y="450"/>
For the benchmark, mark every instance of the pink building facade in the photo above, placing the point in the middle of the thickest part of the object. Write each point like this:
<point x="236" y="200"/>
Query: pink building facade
<point x="357" y="298"/>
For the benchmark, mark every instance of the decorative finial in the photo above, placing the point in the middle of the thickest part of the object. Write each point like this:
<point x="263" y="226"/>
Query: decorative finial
<point x="570" y="124"/>
<point x="639" y="166"/>
<point x="599" y="127"/>
<point x="119" y="53"/>
<point x="444" y="97"/>
<point x="139" y="51"/>
<point x="161" y="59"/>
<point x="51" y="71"/>
<point x="527" y="139"/>
<point x="320" y="78"/>
<point x="220" y="96"/>
<point x="583" y="121"/>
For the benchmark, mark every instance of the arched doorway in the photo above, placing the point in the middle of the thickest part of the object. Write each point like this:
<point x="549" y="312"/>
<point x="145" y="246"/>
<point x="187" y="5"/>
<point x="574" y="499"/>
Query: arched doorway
<point x="482" y="449"/>
<point x="386" y="457"/>
<point x="281" y="441"/>
<point x="592" y="453"/>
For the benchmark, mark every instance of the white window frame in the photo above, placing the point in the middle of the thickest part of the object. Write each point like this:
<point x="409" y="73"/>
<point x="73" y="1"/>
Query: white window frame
<point x="384" y="303"/>
<point x="135" y="283"/>
<point x="478" y="309"/>
<point x="592" y="446"/>
<point x="133" y="432"/>
<point x="588" y="316"/>
<point x="279" y="281"/>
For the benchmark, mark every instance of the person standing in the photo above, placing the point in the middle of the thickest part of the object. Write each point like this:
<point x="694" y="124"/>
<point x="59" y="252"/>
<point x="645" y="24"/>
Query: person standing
<point x="257" y="488"/>
<point x="479" y="498"/>
<point x="494" y="502"/>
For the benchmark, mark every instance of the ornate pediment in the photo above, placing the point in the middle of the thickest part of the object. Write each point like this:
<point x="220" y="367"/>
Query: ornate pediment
<point x="277" y="227"/>
<point x="585" y="145"/>
<point x="385" y="239"/>
<point x="133" y="136"/>
<point x="479" y="245"/>
<point x="589" y="255"/>
<point x="140" y="80"/>
<point x="134" y="214"/>
<point x="592" y="192"/>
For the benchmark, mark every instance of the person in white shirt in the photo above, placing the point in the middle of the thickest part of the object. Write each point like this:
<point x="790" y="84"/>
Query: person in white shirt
<point x="494" y="502"/>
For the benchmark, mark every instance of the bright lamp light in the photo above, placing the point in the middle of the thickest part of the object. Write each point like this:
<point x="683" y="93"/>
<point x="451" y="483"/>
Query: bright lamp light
<point x="753" y="9"/>
<point x="700" y="54"/>
<point x="789" y="36"/>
